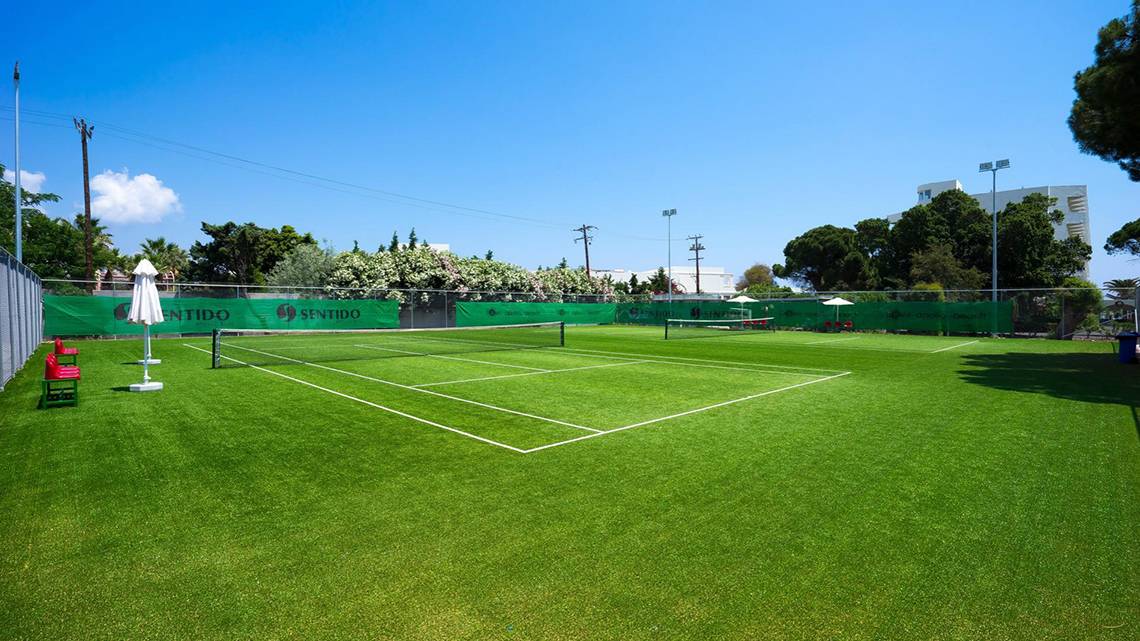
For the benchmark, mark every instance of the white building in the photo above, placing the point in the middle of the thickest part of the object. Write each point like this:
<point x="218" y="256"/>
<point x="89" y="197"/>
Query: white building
<point x="1072" y="200"/>
<point x="714" y="280"/>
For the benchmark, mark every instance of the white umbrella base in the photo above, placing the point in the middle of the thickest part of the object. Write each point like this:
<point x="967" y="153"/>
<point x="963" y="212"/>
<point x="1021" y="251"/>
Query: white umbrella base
<point x="152" y="386"/>
<point x="153" y="361"/>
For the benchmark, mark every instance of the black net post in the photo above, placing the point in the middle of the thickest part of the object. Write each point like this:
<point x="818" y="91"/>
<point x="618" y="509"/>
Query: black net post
<point x="216" y="348"/>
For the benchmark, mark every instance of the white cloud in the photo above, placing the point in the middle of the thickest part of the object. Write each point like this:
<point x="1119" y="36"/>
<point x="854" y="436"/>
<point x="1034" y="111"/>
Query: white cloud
<point x="30" y="181"/>
<point x="118" y="198"/>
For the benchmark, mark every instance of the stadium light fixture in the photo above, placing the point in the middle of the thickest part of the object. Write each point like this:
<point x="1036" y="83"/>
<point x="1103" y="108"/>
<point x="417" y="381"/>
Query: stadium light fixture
<point x="668" y="214"/>
<point x="993" y="168"/>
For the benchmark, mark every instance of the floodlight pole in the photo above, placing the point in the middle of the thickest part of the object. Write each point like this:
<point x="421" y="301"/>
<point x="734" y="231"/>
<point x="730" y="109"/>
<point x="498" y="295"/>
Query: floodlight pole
<point x="993" y="168"/>
<point x="668" y="214"/>
<point x="16" y="173"/>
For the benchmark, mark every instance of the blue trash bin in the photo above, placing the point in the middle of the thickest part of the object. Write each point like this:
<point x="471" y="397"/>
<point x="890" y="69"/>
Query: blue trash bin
<point x="1127" y="346"/>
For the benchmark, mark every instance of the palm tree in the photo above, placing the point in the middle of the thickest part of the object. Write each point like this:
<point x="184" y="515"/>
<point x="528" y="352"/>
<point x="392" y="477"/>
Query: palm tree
<point x="168" y="258"/>
<point x="1122" y="288"/>
<point x="1123" y="310"/>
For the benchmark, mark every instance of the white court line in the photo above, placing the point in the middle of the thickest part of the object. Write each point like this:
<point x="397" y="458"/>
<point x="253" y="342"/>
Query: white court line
<point x="686" y="413"/>
<point x="451" y="358"/>
<point x="953" y="347"/>
<point x="368" y="403"/>
<point x="756" y="370"/>
<point x="833" y="340"/>
<point x="793" y="344"/>
<point x="793" y="369"/>
<point x="416" y="389"/>
<point x="545" y="371"/>
<point x="750" y="367"/>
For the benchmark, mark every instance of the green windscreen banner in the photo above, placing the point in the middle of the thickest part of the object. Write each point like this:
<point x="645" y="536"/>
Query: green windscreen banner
<point x="926" y="316"/>
<point x="785" y="313"/>
<point x="107" y="315"/>
<point x="469" y="314"/>
<point x="914" y="316"/>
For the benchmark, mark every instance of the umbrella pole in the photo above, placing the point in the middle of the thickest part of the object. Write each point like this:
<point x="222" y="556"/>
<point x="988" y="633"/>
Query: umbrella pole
<point x="146" y="356"/>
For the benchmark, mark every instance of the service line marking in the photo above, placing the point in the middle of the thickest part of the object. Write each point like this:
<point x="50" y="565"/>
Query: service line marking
<point x="451" y="358"/>
<point x="833" y="340"/>
<point x="685" y="413"/>
<point x="756" y="370"/>
<point x="417" y="389"/>
<point x="547" y="371"/>
<point x="953" y="347"/>
<point x="661" y="358"/>
<point x="369" y="403"/>
<point x="594" y="432"/>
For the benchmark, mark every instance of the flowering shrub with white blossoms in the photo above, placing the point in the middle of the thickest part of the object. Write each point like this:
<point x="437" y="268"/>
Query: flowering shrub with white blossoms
<point x="359" y="274"/>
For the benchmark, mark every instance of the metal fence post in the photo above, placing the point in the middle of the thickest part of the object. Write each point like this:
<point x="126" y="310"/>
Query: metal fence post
<point x="1136" y="311"/>
<point x="20" y="306"/>
<point x="39" y="310"/>
<point x="1061" y="325"/>
<point x="7" y="344"/>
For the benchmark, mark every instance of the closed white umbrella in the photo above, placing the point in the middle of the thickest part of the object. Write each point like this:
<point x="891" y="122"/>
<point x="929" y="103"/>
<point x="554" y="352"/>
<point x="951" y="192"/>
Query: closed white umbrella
<point x="146" y="310"/>
<point x="837" y="302"/>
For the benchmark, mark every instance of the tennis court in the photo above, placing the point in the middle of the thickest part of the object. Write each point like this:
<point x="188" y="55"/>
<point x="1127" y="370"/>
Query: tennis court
<point x="608" y="483"/>
<point x="518" y="387"/>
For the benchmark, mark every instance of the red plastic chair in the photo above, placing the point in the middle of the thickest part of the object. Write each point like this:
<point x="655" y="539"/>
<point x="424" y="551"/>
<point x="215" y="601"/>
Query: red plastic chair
<point x="70" y="354"/>
<point x="849" y="325"/>
<point x="54" y="371"/>
<point x="60" y="385"/>
<point x="827" y="326"/>
<point x="764" y="323"/>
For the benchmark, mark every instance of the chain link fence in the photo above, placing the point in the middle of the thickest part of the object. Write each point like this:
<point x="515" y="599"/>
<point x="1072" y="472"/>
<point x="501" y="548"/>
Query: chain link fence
<point x="418" y="308"/>
<point x="1040" y="313"/>
<point x="21" y="315"/>
<point x="1062" y="313"/>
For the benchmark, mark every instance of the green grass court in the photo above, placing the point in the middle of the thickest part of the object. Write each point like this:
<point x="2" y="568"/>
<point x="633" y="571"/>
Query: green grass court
<point x="748" y="485"/>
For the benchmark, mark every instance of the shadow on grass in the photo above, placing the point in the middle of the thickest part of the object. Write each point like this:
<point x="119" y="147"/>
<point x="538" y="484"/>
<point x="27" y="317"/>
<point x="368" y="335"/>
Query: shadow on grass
<point x="1092" y="378"/>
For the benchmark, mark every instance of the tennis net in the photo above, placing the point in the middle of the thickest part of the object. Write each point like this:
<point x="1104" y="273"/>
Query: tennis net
<point x="677" y="328"/>
<point x="244" y="347"/>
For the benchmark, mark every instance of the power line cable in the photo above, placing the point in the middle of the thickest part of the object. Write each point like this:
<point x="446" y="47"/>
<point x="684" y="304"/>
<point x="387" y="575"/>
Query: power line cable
<point x="142" y="138"/>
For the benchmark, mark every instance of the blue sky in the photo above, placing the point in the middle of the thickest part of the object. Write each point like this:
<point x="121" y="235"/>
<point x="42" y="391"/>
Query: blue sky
<point x="756" y="121"/>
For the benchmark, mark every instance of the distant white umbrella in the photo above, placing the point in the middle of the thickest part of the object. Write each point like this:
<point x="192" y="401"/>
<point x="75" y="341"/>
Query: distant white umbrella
<point x="146" y="310"/>
<point x="837" y="302"/>
<point x="741" y="300"/>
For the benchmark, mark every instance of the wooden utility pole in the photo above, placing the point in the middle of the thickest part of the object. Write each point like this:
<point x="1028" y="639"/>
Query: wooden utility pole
<point x="85" y="132"/>
<point x="586" y="239"/>
<point x="697" y="248"/>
